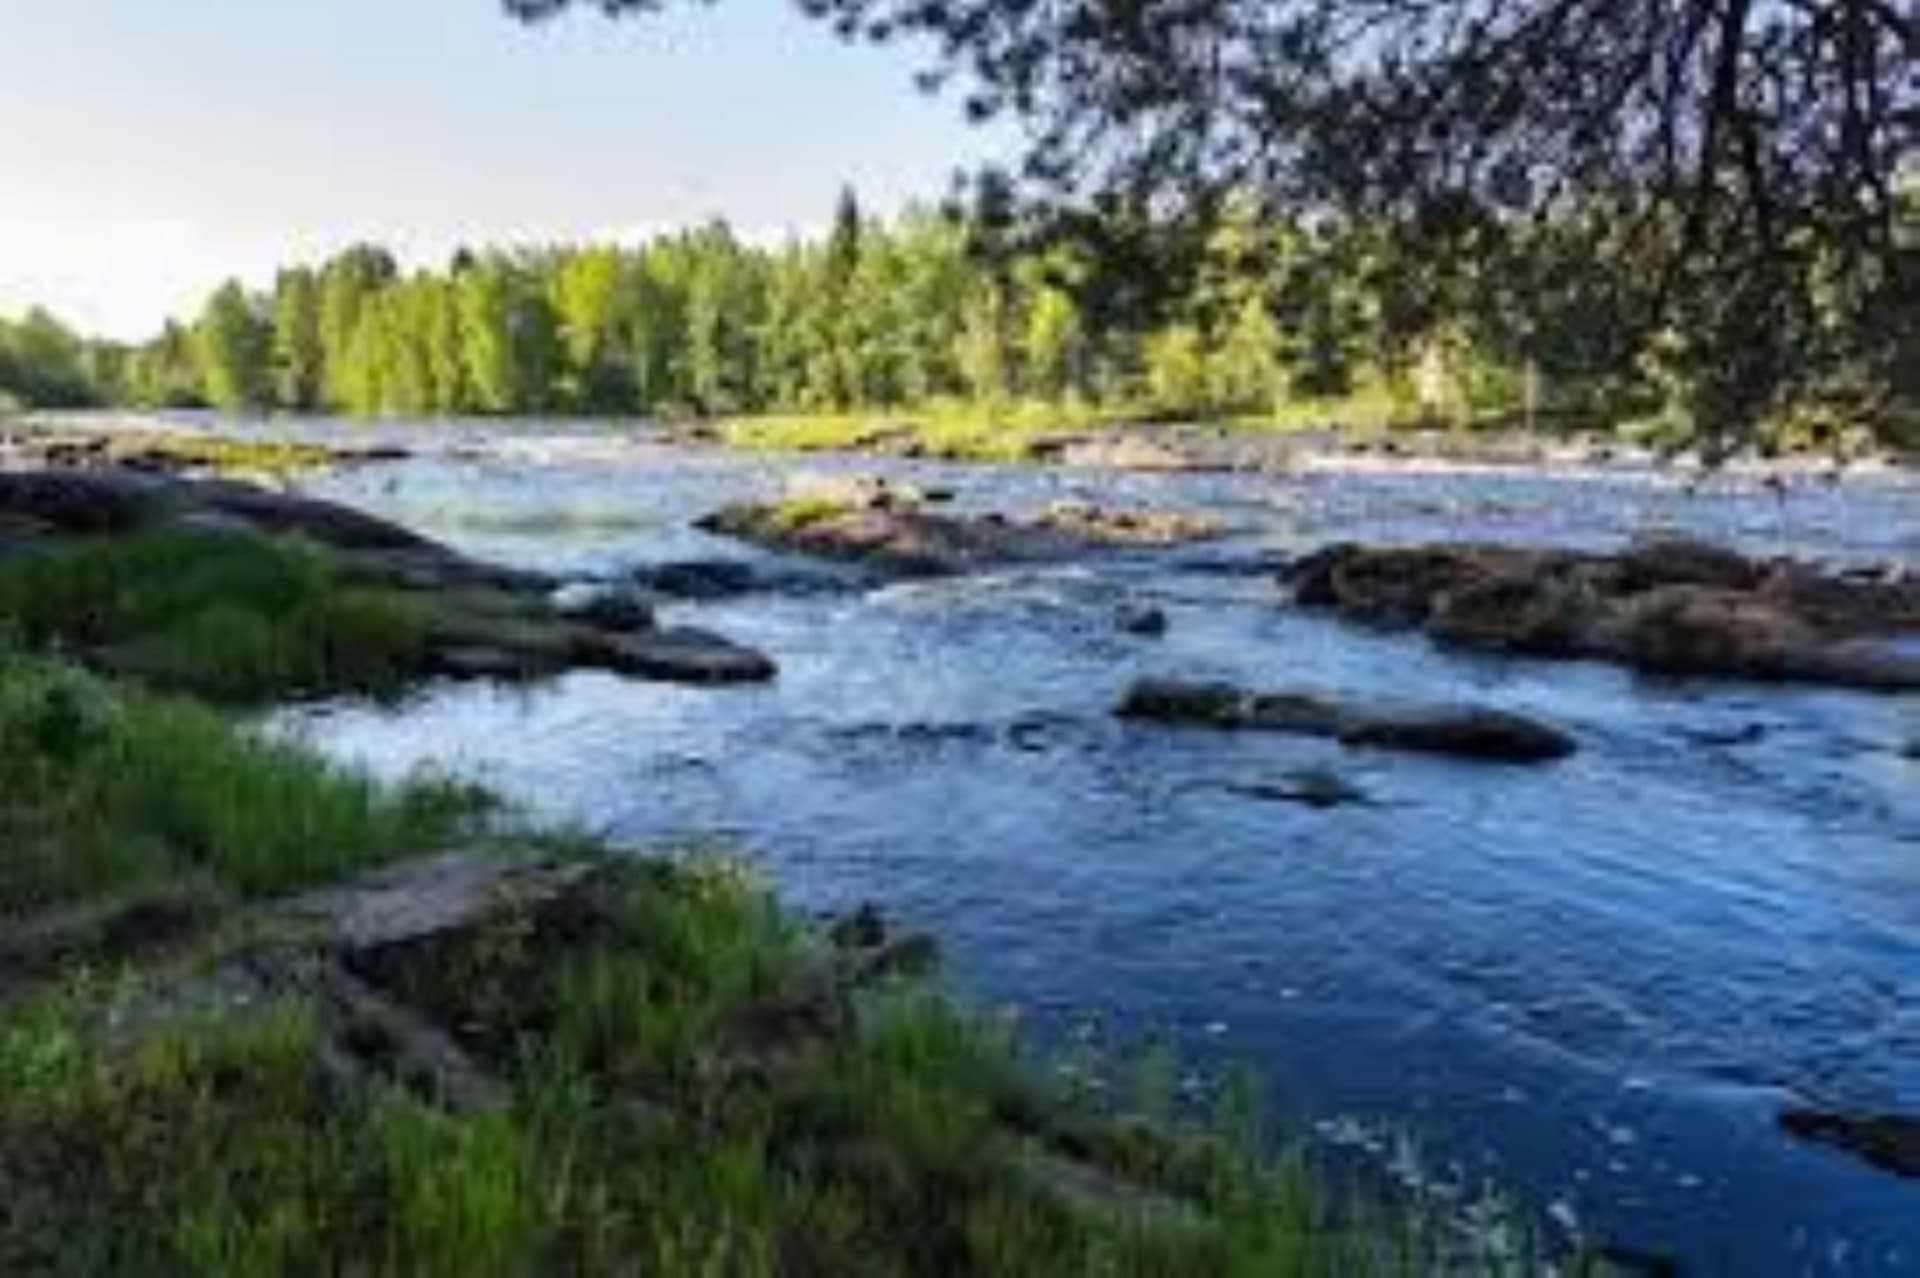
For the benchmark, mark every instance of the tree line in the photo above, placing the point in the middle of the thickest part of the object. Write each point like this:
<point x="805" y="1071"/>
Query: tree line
<point x="1479" y="317"/>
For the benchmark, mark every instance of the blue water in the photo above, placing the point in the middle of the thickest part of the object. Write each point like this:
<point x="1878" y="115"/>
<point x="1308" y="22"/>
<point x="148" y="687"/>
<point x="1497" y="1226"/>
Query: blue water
<point x="1593" y="983"/>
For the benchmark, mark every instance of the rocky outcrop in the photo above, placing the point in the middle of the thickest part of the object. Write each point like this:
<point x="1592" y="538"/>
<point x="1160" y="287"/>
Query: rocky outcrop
<point x="1666" y="605"/>
<point x="893" y="533"/>
<point x="1465" y="731"/>
<point x="154" y="447"/>
<point x="484" y="620"/>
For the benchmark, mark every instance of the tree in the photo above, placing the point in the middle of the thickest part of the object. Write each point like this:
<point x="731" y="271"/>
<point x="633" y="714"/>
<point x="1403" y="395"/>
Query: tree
<point x="346" y="284"/>
<point x="299" y="356"/>
<point x="589" y="296"/>
<point x="233" y="342"/>
<point x="1753" y="149"/>
<point x="43" y="364"/>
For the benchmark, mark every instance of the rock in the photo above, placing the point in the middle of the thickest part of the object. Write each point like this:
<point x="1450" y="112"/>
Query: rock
<point x="1218" y="705"/>
<point x="1684" y="629"/>
<point x="1310" y="787"/>
<point x="604" y="606"/>
<point x="1099" y="525"/>
<point x="862" y="929"/>
<point x="329" y="523"/>
<point x="1113" y="451"/>
<point x="1670" y="560"/>
<point x="1140" y="619"/>
<point x="1890" y="1142"/>
<point x="1666" y="605"/>
<point x="1515" y="612"/>
<point x="908" y="543"/>
<point x="683" y="655"/>
<point x="856" y="492"/>
<point x="1465" y="732"/>
<point x="912" y="542"/>
<point x="699" y="578"/>
<point x="429" y="900"/>
<point x="107" y="501"/>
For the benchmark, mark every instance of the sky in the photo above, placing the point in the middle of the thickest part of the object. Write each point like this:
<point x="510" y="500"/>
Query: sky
<point x="150" y="149"/>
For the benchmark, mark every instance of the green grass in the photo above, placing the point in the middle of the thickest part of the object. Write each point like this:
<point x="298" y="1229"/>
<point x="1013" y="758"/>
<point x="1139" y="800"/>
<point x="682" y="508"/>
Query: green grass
<point x="111" y="791"/>
<point x="229" y="618"/>
<point x="665" y="1117"/>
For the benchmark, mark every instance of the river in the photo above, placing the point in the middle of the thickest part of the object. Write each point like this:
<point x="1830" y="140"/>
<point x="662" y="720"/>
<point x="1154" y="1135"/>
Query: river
<point x="1594" y="983"/>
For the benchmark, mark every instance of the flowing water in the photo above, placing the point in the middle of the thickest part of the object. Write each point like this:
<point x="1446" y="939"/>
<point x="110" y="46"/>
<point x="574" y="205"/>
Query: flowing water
<point x="1593" y="982"/>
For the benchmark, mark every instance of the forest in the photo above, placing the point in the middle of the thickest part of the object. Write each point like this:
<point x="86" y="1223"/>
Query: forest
<point x="1262" y="318"/>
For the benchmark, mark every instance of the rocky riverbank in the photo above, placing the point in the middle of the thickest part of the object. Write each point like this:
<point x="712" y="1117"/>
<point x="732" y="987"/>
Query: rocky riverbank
<point x="478" y="619"/>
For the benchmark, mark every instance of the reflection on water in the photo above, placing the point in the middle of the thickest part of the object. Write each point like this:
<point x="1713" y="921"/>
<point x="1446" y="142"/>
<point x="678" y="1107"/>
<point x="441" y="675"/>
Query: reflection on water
<point x="1595" y="981"/>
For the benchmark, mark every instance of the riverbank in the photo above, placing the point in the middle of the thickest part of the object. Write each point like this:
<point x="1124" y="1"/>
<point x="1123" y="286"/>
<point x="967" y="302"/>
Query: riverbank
<point x="259" y="1013"/>
<point x="1308" y="436"/>
<point x="1331" y="436"/>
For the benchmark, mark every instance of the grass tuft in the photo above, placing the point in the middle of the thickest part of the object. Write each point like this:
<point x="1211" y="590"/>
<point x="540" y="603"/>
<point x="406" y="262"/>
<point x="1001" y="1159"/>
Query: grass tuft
<point x="229" y="618"/>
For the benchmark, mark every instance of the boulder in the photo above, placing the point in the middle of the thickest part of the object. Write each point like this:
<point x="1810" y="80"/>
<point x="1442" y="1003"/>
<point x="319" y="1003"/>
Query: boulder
<point x="1469" y="732"/>
<point x="1518" y="612"/>
<point x="1664" y="559"/>
<point x="1687" y="629"/>
<point x="1666" y="605"/>
<point x="104" y="501"/>
<point x="683" y="655"/>
<point x="1462" y="731"/>
<point x="913" y="542"/>
<point x="1890" y="1142"/>
<point x="431" y="900"/>
<point x="1141" y="619"/>
<point x="1100" y="525"/>
<point x="907" y="543"/>
<point x="699" y="578"/>
<point x="605" y="606"/>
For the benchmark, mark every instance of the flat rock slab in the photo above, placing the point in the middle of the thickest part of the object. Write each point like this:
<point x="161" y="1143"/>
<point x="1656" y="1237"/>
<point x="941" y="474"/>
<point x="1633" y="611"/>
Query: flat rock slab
<point x="907" y="541"/>
<point x="1471" y="732"/>
<point x="433" y="899"/>
<point x="684" y="654"/>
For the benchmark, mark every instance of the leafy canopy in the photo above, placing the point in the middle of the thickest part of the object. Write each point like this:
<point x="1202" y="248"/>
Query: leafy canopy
<point x="1749" y="154"/>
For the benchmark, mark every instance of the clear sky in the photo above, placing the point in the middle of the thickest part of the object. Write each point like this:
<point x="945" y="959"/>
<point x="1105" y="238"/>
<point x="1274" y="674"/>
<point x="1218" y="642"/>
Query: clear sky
<point x="149" y="148"/>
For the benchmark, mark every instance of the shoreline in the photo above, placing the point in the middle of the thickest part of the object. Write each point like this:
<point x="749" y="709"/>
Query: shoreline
<point x="1134" y="448"/>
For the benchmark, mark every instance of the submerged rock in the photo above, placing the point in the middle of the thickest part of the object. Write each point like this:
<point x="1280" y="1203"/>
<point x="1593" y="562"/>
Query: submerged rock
<point x="1890" y="1142"/>
<point x="699" y="578"/>
<point x="1141" y="619"/>
<point x="1465" y="731"/>
<point x="1309" y="787"/>
<point x="1666" y="605"/>
<point x="607" y="606"/>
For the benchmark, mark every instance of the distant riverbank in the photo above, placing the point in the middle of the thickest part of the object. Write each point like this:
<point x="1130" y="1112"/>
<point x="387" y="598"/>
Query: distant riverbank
<point x="207" y="441"/>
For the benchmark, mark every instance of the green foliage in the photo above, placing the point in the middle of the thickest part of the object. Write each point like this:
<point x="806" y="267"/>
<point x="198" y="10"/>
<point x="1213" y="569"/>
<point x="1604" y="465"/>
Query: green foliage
<point x="1475" y="318"/>
<point x="234" y="343"/>
<point x="109" y="791"/>
<point x="236" y="619"/>
<point x="43" y="364"/>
